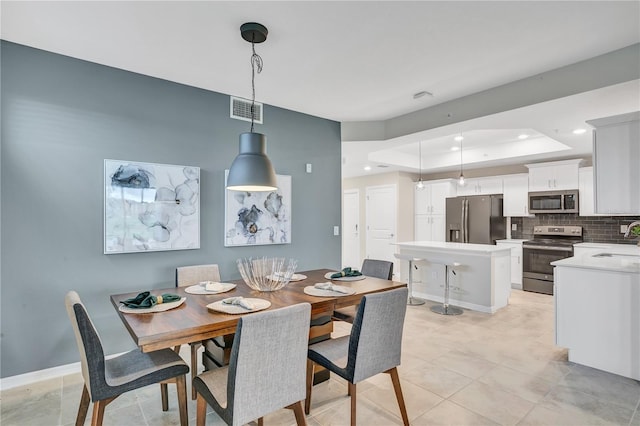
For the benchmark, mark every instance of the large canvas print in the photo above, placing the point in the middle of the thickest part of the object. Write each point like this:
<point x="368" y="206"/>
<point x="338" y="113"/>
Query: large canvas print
<point x="258" y="218"/>
<point x="150" y="207"/>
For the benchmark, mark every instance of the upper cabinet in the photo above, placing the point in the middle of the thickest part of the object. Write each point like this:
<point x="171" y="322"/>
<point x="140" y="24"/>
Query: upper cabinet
<point x="557" y="175"/>
<point x="616" y="164"/>
<point x="585" y="197"/>
<point x="481" y="186"/>
<point x="515" y="200"/>
<point x="432" y="198"/>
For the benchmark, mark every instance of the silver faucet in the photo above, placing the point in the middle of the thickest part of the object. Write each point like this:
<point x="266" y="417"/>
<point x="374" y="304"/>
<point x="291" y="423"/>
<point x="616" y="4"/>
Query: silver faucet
<point x="630" y="227"/>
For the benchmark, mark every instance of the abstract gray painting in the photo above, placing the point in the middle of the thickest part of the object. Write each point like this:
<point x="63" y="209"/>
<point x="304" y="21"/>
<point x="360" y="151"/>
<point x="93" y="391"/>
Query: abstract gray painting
<point x="259" y="218"/>
<point x="150" y="207"/>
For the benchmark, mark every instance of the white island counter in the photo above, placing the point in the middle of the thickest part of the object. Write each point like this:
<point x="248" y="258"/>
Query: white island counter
<point x="482" y="282"/>
<point x="597" y="299"/>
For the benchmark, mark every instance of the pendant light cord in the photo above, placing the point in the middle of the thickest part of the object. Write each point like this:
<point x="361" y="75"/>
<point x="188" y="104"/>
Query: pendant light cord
<point x="256" y="62"/>
<point x="420" y="155"/>
<point x="460" y="157"/>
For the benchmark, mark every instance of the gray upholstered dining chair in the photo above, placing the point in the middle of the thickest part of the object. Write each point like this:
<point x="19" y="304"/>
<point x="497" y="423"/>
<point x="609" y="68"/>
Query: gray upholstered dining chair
<point x="266" y="370"/>
<point x="106" y="379"/>
<point x="187" y="276"/>
<point x="373" y="347"/>
<point x="375" y="268"/>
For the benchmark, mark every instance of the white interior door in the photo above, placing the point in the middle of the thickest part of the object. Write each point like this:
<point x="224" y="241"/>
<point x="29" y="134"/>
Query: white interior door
<point x="351" y="229"/>
<point x="381" y="223"/>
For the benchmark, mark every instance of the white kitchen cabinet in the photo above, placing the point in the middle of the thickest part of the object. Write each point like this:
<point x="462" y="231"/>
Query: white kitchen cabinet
<point x="616" y="160"/>
<point x="557" y="175"/>
<point x="429" y="227"/>
<point x="432" y="198"/>
<point x="516" y="261"/>
<point x="430" y="204"/>
<point x="585" y="188"/>
<point x="516" y="195"/>
<point x="480" y="186"/>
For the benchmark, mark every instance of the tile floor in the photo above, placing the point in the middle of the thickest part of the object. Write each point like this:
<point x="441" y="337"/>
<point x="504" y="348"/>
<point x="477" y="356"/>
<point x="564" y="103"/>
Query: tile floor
<point x="474" y="369"/>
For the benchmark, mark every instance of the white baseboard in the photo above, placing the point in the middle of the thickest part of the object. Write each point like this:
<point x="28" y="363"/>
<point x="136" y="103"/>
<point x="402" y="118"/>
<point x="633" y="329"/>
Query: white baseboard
<point x="38" y="376"/>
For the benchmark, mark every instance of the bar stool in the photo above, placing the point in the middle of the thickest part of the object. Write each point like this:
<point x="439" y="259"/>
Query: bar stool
<point x="445" y="309"/>
<point x="412" y="301"/>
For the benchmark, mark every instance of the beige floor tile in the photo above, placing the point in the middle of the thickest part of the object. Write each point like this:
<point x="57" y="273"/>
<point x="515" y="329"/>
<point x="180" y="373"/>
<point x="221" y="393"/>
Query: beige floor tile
<point x="635" y="421"/>
<point x="368" y="413"/>
<point x="602" y="385"/>
<point x="608" y="412"/>
<point x="523" y="385"/>
<point x="493" y="403"/>
<point x="438" y="380"/>
<point x="449" y="414"/>
<point x="417" y="400"/>
<point x="36" y="405"/>
<point x="465" y="364"/>
<point x="555" y="413"/>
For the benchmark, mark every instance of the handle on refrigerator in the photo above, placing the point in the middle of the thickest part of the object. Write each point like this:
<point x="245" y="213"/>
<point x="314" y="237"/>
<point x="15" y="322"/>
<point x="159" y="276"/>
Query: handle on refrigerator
<point x="462" y="222"/>
<point x="466" y="221"/>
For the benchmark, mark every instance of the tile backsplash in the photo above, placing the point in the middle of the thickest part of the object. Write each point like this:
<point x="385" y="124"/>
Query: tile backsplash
<point x="595" y="229"/>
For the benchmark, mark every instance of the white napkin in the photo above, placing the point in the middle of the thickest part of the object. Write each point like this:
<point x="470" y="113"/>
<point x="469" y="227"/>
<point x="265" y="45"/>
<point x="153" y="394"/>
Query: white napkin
<point x="239" y="301"/>
<point x="332" y="287"/>
<point x="212" y="286"/>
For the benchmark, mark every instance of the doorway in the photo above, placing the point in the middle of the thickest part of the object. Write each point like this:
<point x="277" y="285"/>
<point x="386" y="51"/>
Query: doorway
<point x="381" y="216"/>
<point x="351" y="229"/>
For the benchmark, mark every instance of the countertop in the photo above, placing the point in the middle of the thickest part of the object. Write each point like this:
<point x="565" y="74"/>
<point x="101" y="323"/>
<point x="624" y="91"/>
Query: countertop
<point x="611" y="248"/>
<point x="455" y="247"/>
<point x="629" y="263"/>
<point x="514" y="240"/>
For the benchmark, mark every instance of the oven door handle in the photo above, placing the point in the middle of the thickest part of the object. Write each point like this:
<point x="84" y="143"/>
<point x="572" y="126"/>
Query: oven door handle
<point x="549" y="248"/>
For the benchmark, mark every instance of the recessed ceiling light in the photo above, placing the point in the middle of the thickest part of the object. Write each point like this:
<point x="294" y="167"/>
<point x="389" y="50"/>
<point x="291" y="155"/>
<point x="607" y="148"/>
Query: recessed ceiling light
<point x="523" y="136"/>
<point x="458" y="138"/>
<point x="579" y="131"/>
<point x="367" y="168"/>
<point x="455" y="148"/>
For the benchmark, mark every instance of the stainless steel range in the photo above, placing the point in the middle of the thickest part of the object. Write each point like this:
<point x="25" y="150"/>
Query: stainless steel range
<point x="550" y="243"/>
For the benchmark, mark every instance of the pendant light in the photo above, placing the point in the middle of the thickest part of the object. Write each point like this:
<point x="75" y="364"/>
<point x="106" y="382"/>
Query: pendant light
<point x="461" y="178"/>
<point x="420" y="185"/>
<point x="252" y="170"/>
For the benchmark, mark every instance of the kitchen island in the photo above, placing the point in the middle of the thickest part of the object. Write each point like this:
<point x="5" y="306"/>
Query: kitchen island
<point x="597" y="300"/>
<point x="482" y="282"/>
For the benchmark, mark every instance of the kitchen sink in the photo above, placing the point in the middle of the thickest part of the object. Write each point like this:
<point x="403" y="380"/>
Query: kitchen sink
<point x="622" y="255"/>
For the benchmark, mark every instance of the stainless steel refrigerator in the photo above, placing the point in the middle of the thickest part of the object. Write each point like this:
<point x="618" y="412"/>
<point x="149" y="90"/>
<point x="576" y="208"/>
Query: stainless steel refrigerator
<point x="475" y="219"/>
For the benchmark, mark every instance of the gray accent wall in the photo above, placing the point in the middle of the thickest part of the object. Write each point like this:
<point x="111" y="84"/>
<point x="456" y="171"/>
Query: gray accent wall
<point x="61" y="118"/>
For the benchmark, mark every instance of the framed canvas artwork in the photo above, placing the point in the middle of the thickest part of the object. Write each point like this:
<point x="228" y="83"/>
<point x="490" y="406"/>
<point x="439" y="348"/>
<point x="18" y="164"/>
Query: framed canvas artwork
<point x="150" y="207"/>
<point x="258" y="218"/>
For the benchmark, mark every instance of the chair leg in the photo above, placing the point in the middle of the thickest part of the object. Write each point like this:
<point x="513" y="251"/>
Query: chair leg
<point x="194" y="366"/>
<point x="396" y="387"/>
<point x="98" y="411"/>
<point x="201" y="411"/>
<point x="164" y="396"/>
<point x="307" y="401"/>
<point x="85" y="400"/>
<point x="301" y="419"/>
<point x="181" y="385"/>
<point x="352" y="393"/>
<point x="261" y="421"/>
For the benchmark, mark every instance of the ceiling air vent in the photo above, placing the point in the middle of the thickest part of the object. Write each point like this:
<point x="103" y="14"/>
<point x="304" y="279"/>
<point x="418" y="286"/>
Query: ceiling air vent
<point x="240" y="109"/>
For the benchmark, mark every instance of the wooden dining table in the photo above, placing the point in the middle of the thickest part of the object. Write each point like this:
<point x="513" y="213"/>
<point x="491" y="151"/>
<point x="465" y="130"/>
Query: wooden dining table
<point x="192" y="321"/>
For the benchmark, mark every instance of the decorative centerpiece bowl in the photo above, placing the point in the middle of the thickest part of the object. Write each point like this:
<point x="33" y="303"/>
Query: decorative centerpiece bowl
<point x="267" y="273"/>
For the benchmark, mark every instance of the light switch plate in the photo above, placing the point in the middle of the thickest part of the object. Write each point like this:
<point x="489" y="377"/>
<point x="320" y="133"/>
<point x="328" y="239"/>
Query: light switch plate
<point x="336" y="230"/>
<point x="309" y="168"/>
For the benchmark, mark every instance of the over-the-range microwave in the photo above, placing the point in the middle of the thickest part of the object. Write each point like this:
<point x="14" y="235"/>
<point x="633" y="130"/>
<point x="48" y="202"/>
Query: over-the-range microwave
<point x="553" y="201"/>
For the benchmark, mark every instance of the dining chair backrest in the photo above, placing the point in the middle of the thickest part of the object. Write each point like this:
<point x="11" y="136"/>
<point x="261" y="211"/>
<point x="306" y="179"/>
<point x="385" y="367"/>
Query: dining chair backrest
<point x="190" y="275"/>
<point x="382" y="269"/>
<point x="89" y="344"/>
<point x="376" y="336"/>
<point x="268" y="362"/>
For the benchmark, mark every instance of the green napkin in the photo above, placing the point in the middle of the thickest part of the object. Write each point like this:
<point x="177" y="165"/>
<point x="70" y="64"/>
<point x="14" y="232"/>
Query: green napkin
<point x="147" y="300"/>
<point x="347" y="272"/>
